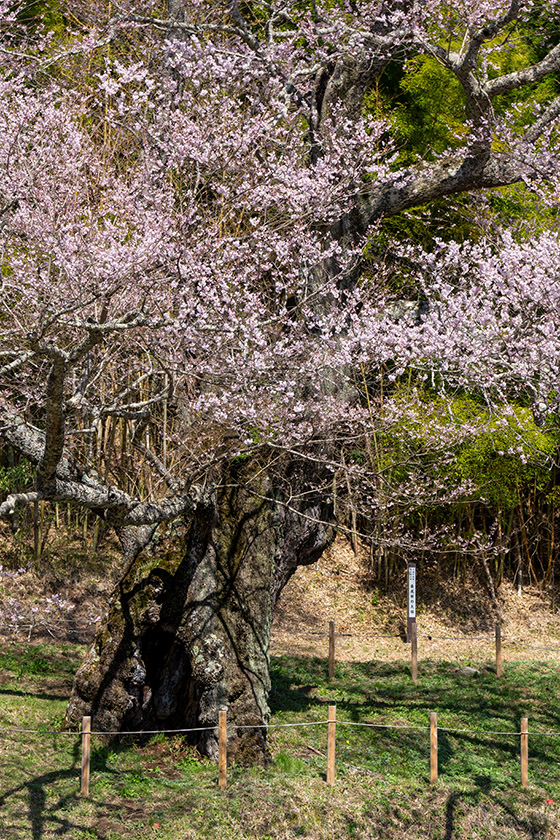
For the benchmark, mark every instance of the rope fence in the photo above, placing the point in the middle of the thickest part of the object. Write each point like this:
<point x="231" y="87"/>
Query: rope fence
<point x="497" y="639"/>
<point x="75" y="733"/>
<point x="430" y="636"/>
<point x="224" y="729"/>
<point x="412" y="639"/>
<point x="54" y="624"/>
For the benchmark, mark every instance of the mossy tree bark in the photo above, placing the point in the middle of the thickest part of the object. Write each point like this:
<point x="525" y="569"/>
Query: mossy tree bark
<point x="188" y="633"/>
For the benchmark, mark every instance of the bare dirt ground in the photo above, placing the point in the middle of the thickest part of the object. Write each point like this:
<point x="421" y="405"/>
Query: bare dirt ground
<point x="455" y="620"/>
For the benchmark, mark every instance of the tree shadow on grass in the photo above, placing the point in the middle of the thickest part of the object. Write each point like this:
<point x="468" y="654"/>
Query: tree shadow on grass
<point x="37" y="789"/>
<point x="450" y="809"/>
<point x="532" y="825"/>
<point x="110" y="808"/>
<point x="290" y="693"/>
<point x="299" y="683"/>
<point x="42" y="815"/>
<point x="40" y="695"/>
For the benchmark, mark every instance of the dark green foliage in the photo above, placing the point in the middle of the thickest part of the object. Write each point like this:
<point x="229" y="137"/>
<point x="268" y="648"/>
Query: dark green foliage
<point x="16" y="478"/>
<point x="428" y="111"/>
<point x="46" y="15"/>
<point x="509" y="456"/>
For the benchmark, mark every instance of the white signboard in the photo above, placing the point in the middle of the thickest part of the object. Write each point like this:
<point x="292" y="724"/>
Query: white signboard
<point x="412" y="591"/>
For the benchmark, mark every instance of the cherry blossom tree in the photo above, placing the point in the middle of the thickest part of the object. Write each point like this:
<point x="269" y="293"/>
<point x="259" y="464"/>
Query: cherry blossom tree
<point x="186" y="294"/>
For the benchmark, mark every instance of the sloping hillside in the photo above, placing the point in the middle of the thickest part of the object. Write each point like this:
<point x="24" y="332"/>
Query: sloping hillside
<point x="454" y="613"/>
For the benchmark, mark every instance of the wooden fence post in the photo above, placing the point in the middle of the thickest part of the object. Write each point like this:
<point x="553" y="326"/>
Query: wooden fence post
<point x="433" y="748"/>
<point x="524" y="752"/>
<point x="498" y="650"/>
<point x="414" y="650"/>
<point x="331" y="650"/>
<point x="222" y="747"/>
<point x="331" y="741"/>
<point x="86" y="749"/>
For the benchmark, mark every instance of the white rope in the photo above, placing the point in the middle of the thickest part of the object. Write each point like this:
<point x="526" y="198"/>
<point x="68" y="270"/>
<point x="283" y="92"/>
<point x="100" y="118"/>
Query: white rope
<point x="39" y="731"/>
<point x="73" y="733"/>
<point x="337" y="634"/>
<point x="277" y="725"/>
<point x="162" y="731"/>
<point x="425" y="728"/>
<point x="381" y="725"/>
<point x="431" y="637"/>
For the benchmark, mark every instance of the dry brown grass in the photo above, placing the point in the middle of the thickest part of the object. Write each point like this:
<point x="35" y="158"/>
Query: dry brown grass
<point x="454" y="613"/>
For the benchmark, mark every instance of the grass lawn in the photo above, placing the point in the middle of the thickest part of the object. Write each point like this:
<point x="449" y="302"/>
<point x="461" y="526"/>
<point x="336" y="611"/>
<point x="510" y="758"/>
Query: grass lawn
<point x="164" y="790"/>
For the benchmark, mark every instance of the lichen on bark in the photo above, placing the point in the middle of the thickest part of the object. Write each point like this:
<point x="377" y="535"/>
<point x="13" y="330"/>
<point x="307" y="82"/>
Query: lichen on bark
<point x="189" y="634"/>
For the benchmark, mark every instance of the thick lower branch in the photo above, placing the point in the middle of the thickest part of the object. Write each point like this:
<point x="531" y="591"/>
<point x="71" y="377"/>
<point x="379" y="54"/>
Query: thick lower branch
<point x="427" y="183"/>
<point x="73" y="485"/>
<point x="15" y="500"/>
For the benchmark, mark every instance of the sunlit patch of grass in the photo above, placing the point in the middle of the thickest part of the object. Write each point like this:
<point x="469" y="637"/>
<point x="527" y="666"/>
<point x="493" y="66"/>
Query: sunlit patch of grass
<point x="163" y="789"/>
<point x="383" y="694"/>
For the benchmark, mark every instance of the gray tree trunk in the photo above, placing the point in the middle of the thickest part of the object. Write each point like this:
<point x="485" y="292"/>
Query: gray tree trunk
<point x="188" y="633"/>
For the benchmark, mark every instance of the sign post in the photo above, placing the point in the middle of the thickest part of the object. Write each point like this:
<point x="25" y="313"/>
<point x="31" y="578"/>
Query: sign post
<point x="411" y="600"/>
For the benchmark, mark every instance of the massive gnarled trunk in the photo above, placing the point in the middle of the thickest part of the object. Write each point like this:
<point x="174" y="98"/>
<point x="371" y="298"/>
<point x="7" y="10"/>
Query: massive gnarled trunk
<point x="188" y="633"/>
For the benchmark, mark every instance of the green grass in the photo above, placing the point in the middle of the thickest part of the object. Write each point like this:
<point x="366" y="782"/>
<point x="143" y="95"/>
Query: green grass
<point x="383" y="693"/>
<point x="164" y="790"/>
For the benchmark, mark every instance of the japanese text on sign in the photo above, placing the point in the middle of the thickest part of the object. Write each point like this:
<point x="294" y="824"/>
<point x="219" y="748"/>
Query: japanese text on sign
<point x="412" y="591"/>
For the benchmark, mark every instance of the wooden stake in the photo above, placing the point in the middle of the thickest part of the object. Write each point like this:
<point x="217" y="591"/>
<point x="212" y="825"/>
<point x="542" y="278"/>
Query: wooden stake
<point x="331" y="650"/>
<point x="331" y="740"/>
<point x="524" y="752"/>
<point x="414" y="650"/>
<point x="86" y="745"/>
<point x="498" y="650"/>
<point x="222" y="755"/>
<point x="433" y="748"/>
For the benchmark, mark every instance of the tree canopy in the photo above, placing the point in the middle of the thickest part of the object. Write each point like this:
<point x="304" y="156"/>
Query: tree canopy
<point x="186" y="204"/>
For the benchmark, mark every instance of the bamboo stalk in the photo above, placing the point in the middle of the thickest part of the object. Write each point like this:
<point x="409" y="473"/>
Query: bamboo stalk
<point x="331" y="650"/>
<point x="36" y="539"/>
<point x="164" y="427"/>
